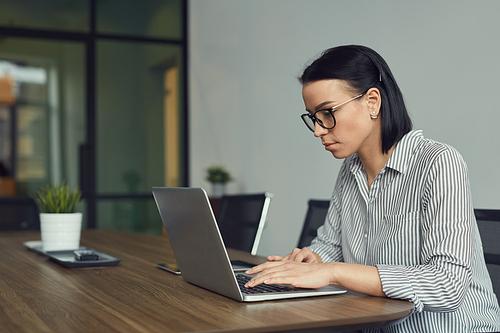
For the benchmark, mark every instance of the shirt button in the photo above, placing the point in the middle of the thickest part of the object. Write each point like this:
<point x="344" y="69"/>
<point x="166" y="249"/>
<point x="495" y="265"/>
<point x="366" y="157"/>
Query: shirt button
<point x="366" y="235"/>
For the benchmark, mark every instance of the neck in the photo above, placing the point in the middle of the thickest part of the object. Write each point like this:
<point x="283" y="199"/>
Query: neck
<point x="374" y="161"/>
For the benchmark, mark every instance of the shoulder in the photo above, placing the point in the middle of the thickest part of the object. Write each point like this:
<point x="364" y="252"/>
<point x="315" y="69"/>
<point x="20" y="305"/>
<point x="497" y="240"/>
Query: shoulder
<point x="428" y="151"/>
<point x="416" y="156"/>
<point x="434" y="151"/>
<point x="434" y="160"/>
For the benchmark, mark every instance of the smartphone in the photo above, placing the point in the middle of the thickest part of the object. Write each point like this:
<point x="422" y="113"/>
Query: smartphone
<point x="172" y="268"/>
<point x="238" y="266"/>
<point x="241" y="266"/>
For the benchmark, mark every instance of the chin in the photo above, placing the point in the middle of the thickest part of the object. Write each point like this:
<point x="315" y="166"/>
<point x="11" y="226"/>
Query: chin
<point x="340" y="155"/>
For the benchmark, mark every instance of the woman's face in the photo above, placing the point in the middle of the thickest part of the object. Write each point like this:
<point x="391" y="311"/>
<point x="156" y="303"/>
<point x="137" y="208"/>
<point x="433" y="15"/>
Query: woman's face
<point x="355" y="131"/>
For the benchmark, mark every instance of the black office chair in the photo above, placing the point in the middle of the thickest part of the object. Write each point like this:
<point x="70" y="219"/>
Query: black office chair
<point x="19" y="213"/>
<point x="315" y="218"/>
<point x="488" y="221"/>
<point x="241" y="220"/>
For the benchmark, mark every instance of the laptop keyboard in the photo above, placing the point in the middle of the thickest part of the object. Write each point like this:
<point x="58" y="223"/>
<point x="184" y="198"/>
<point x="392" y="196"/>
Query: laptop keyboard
<point x="261" y="288"/>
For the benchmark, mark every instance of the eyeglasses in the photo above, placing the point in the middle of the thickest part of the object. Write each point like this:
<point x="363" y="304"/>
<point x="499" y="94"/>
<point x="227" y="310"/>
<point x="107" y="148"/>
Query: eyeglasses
<point x="324" y="117"/>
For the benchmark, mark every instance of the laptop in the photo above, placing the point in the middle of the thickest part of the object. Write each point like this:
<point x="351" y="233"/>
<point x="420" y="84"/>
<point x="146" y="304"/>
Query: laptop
<point x="200" y="252"/>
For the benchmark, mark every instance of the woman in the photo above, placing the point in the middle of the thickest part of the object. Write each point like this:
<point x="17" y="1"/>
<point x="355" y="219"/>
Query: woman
<point x="401" y="222"/>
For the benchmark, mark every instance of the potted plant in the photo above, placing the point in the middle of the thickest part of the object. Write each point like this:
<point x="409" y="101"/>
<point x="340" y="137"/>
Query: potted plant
<point x="60" y="223"/>
<point x="218" y="176"/>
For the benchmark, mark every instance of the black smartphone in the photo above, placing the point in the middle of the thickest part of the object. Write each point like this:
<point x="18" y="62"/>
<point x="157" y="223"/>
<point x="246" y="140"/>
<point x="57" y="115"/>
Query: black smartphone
<point x="86" y="255"/>
<point x="241" y="266"/>
<point x="172" y="268"/>
<point x="238" y="266"/>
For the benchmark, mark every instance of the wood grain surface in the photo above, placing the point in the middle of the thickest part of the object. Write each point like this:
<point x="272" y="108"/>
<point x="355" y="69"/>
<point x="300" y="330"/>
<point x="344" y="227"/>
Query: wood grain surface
<point x="39" y="295"/>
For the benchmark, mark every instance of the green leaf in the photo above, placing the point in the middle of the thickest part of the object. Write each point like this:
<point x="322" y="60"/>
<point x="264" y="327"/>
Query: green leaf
<point x="57" y="199"/>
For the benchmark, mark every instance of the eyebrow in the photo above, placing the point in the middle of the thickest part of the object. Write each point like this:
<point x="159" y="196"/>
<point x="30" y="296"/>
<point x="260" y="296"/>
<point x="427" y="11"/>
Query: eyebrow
<point x="321" y="105"/>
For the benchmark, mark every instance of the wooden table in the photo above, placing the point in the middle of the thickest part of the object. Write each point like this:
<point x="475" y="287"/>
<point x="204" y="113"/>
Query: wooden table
<point x="39" y="295"/>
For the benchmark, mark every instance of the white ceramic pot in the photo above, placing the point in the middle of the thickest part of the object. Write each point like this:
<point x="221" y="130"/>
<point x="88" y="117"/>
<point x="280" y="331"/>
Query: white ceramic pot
<point x="218" y="189"/>
<point x="60" y="231"/>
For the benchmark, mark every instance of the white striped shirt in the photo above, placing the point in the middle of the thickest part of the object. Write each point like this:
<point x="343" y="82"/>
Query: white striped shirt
<point x="416" y="224"/>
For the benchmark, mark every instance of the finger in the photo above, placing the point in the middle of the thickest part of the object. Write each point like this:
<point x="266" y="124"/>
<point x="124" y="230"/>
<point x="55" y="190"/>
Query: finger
<point x="256" y="280"/>
<point x="274" y="277"/>
<point x="264" y="271"/>
<point x="296" y="255"/>
<point x="263" y="277"/>
<point x="305" y="255"/>
<point x="311" y="257"/>
<point x="255" y="269"/>
<point x="287" y="257"/>
<point x="261" y="267"/>
<point x="275" y="258"/>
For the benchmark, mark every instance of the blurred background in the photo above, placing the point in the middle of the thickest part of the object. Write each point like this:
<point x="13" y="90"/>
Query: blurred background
<point x="93" y="93"/>
<point x="118" y="96"/>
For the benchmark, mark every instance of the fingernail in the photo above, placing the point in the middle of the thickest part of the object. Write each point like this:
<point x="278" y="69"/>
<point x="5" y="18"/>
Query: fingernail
<point x="267" y="281"/>
<point x="248" y="272"/>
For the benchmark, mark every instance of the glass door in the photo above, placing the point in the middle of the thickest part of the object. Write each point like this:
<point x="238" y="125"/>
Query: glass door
<point x="41" y="112"/>
<point x="138" y="131"/>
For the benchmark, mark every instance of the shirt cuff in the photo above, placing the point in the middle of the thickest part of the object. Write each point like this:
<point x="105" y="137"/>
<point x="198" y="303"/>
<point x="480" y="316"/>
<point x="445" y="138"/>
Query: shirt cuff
<point x="396" y="284"/>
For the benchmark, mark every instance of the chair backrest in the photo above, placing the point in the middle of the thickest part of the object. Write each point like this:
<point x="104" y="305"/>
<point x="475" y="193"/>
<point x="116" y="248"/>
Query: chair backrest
<point x="488" y="221"/>
<point x="315" y="218"/>
<point x="241" y="220"/>
<point x="19" y="213"/>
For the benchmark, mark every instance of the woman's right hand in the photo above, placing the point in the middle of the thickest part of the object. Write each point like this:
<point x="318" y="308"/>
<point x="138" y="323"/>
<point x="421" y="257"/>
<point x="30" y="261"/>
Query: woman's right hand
<point x="300" y="255"/>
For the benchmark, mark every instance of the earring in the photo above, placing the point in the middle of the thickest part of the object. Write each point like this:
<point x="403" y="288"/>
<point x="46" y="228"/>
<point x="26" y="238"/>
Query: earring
<point x="373" y="116"/>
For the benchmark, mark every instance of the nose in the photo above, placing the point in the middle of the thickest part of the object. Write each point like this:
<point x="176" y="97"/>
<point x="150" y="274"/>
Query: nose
<point x="319" y="131"/>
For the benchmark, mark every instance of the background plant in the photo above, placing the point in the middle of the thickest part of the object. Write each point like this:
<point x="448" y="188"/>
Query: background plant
<point x="218" y="174"/>
<point x="57" y="199"/>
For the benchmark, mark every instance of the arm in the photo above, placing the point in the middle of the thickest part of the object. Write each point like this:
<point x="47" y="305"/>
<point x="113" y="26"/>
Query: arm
<point x="292" y="268"/>
<point x="440" y="281"/>
<point x="359" y="278"/>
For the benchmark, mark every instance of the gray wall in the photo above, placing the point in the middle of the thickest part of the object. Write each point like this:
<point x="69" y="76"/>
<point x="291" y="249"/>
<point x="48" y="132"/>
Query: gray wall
<point x="245" y="100"/>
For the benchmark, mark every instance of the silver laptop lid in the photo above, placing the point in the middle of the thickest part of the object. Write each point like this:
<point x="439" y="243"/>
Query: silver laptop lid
<point x="191" y="228"/>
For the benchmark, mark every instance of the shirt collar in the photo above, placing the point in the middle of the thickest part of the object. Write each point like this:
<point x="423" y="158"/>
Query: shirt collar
<point x="404" y="149"/>
<point x="400" y="156"/>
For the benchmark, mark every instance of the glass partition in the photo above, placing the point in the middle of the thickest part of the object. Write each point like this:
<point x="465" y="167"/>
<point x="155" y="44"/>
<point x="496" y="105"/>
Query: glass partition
<point x="129" y="215"/>
<point x="132" y="110"/>
<point x="100" y="106"/>
<point x="43" y="124"/>
<point x="152" y="18"/>
<point x="46" y="14"/>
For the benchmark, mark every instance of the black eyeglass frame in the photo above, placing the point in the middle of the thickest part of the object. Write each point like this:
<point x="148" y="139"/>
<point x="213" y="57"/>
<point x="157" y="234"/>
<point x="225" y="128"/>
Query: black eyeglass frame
<point x="314" y="120"/>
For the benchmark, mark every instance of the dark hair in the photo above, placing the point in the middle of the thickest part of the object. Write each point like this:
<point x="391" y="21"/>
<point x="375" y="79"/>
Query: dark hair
<point x="363" y="68"/>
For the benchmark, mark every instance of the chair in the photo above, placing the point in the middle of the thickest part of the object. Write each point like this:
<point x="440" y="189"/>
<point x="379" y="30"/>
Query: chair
<point x="488" y="221"/>
<point x="315" y="218"/>
<point x="241" y="220"/>
<point x="19" y="213"/>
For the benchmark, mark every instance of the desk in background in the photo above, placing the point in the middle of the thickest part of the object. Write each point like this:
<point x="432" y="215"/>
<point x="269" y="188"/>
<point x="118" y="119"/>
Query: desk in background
<point x="38" y="295"/>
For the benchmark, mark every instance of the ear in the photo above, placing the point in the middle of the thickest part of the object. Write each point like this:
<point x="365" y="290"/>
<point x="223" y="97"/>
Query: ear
<point x="374" y="101"/>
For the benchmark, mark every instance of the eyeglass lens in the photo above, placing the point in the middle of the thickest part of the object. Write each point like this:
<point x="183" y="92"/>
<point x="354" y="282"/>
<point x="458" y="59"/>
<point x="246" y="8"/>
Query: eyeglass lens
<point x="324" y="118"/>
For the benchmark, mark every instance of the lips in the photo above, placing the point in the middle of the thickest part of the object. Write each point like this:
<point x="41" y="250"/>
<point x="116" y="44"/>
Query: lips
<point x="329" y="145"/>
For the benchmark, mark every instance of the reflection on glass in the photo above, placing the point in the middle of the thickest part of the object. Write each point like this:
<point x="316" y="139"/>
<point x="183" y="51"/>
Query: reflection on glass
<point x="152" y="18"/>
<point x="32" y="144"/>
<point x="42" y="123"/>
<point x="46" y="14"/>
<point x="129" y="215"/>
<point x="5" y="142"/>
<point x="131" y="113"/>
